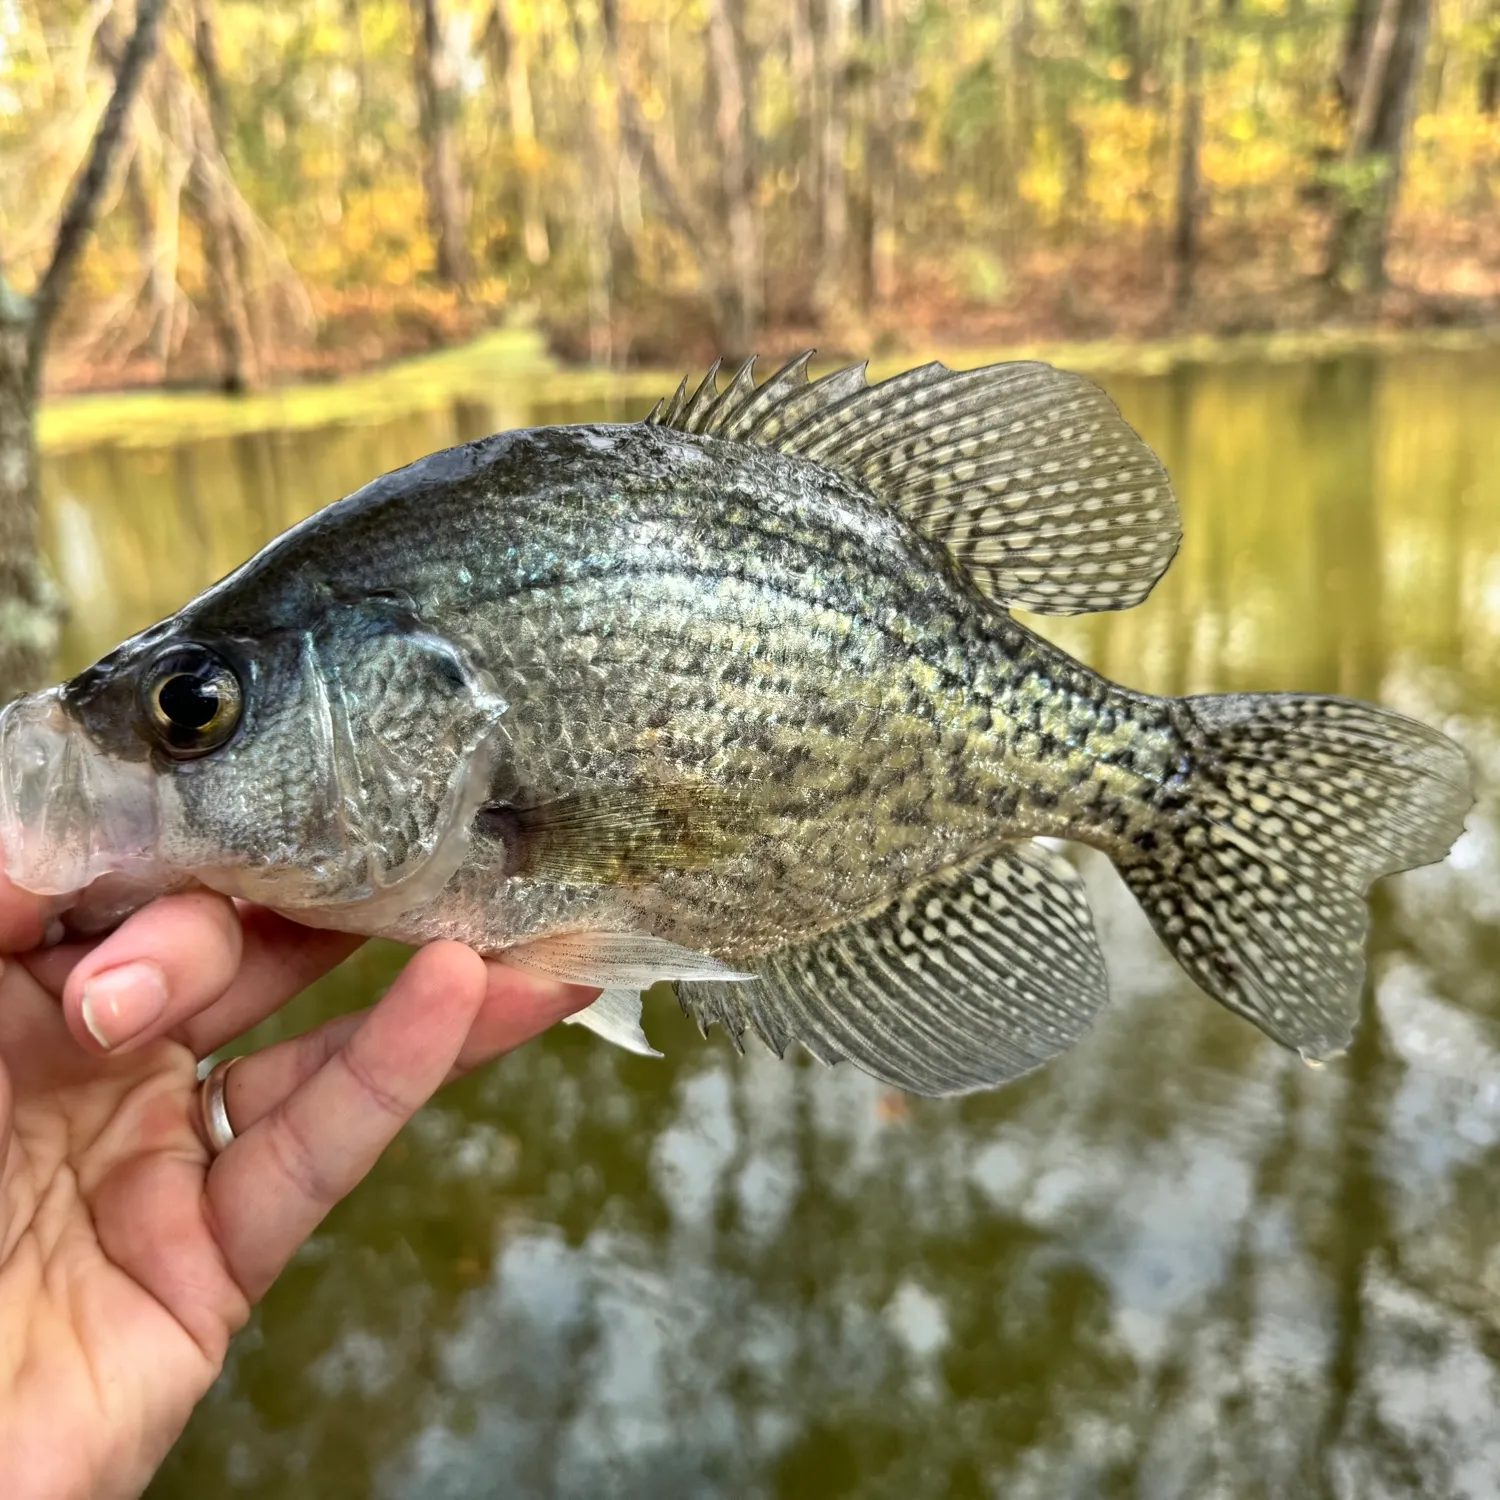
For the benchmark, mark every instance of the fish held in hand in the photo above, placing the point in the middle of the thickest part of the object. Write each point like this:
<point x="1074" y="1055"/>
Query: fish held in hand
<point x="733" y="696"/>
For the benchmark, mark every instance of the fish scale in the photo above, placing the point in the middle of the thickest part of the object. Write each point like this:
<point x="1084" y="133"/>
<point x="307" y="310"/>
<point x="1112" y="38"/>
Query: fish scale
<point x="734" y="697"/>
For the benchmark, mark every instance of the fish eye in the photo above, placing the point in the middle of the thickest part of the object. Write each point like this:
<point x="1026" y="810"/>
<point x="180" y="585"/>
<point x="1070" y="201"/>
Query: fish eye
<point x="192" y="700"/>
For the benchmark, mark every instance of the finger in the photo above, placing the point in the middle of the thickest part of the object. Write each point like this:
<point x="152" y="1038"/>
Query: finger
<point x="50" y="967"/>
<point x="161" y="966"/>
<point x="6" y="1113"/>
<point x="31" y="1026"/>
<point x="517" y="1007"/>
<point x="279" y="960"/>
<point x="23" y="917"/>
<point x="274" y="1184"/>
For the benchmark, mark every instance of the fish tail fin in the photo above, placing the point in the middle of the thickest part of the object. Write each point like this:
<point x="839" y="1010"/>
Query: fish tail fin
<point x="1290" y="808"/>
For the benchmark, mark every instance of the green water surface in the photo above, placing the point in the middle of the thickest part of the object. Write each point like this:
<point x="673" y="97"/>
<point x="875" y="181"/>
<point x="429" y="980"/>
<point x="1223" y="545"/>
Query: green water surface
<point x="1178" y="1263"/>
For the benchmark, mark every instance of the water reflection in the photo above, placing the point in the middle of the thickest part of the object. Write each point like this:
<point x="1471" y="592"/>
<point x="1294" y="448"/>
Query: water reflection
<point x="1177" y="1264"/>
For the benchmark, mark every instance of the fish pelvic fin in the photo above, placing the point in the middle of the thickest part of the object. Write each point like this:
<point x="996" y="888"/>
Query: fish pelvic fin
<point x="975" y="975"/>
<point x="1029" y="475"/>
<point x="616" y="960"/>
<point x="1295" y="806"/>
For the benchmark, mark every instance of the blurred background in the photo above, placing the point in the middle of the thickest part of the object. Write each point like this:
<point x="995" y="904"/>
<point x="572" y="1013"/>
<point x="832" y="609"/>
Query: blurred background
<point x="1176" y="1265"/>
<point x="313" y="185"/>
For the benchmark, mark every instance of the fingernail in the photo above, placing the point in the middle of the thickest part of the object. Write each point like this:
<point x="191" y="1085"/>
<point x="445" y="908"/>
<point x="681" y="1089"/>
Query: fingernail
<point x="121" y="1003"/>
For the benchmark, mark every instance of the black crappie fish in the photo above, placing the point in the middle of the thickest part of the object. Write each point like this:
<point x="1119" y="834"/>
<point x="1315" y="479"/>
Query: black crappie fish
<point x="733" y="696"/>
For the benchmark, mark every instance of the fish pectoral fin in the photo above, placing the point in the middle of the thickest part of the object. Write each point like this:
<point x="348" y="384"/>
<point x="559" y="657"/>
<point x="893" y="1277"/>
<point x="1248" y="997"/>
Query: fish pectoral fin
<point x="616" y="1016"/>
<point x="617" y="960"/>
<point x="620" y="835"/>
<point x="974" y="976"/>
<point x="1028" y="475"/>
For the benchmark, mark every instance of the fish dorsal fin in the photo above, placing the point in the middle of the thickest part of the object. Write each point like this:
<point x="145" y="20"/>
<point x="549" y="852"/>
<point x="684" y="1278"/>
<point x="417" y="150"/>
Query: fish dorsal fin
<point x="1028" y="474"/>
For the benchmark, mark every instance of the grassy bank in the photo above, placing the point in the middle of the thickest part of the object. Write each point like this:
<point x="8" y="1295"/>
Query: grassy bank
<point x="512" y="371"/>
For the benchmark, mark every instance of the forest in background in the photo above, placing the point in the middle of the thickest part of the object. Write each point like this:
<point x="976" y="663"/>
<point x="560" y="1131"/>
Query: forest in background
<point x="307" y="186"/>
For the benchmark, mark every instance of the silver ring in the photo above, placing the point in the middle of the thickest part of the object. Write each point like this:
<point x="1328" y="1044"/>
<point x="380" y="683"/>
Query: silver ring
<point x="212" y="1109"/>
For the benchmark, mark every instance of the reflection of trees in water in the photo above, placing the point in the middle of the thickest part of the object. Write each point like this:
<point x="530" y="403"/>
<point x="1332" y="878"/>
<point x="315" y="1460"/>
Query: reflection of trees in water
<point x="1176" y="1264"/>
<point x="1332" y="511"/>
<point x="592" y="1275"/>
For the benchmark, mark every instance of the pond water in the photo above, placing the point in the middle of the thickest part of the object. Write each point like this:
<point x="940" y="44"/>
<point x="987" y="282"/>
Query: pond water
<point x="1178" y="1264"/>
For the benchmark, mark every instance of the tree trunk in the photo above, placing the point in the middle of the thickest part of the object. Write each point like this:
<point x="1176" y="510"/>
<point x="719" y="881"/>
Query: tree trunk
<point x="354" y="27"/>
<point x="1359" y="23"/>
<point x="225" y="253"/>
<point x="1375" y="154"/>
<point x="437" y="105"/>
<point x="1018" y="68"/>
<point x="515" y="47"/>
<point x="1128" y="48"/>
<point x="1489" y="69"/>
<point x="252" y="305"/>
<point x="1075" y="146"/>
<point x="27" y="617"/>
<point x="228" y="302"/>
<point x="206" y="55"/>
<point x="156" y="217"/>
<point x="28" y="611"/>
<point x="832" y="126"/>
<point x="1189" y="179"/>
<point x="609" y="252"/>
<point x="740" y="319"/>
<point x="869" y="192"/>
<point x="805" y="59"/>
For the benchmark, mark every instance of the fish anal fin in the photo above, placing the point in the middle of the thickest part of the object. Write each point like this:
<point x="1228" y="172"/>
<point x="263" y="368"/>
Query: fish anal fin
<point x="974" y="976"/>
<point x="616" y="1016"/>
<point x="1029" y="475"/>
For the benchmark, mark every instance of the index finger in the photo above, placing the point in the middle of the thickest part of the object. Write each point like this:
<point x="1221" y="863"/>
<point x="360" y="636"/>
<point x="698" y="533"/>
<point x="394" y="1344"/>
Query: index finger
<point x="23" y="916"/>
<point x="273" y="1185"/>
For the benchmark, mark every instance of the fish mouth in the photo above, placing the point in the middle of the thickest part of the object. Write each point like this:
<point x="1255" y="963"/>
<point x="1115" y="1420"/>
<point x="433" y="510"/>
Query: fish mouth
<point x="69" y="813"/>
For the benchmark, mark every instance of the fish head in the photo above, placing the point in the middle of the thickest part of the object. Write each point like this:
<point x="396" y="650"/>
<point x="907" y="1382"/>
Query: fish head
<point x="329" y="767"/>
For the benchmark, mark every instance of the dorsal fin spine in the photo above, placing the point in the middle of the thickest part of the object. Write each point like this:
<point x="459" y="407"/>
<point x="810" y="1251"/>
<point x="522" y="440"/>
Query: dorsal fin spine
<point x="779" y="426"/>
<point x="735" y="394"/>
<point x="823" y="432"/>
<point x="670" y="417"/>
<point x="703" y="399"/>
<point x="788" y="378"/>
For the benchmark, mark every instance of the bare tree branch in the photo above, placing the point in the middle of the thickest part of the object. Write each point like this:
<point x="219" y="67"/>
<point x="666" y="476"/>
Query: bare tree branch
<point x="82" y="206"/>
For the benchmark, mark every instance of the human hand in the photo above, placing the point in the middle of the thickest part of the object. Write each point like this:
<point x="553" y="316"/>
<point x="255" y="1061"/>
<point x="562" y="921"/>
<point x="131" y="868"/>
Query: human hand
<point x="129" y="1253"/>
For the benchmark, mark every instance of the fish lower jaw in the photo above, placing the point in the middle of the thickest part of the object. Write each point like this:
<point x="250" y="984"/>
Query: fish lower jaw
<point x="69" y="814"/>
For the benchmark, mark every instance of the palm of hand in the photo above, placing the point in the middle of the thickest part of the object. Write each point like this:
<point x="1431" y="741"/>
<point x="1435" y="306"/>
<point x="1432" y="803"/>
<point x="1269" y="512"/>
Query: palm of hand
<point x="129" y="1255"/>
<point x="108" y="1254"/>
